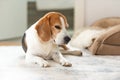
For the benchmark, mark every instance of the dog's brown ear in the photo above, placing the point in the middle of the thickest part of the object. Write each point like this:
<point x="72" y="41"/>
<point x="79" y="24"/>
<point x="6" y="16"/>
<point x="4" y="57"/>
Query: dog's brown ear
<point x="43" y="29"/>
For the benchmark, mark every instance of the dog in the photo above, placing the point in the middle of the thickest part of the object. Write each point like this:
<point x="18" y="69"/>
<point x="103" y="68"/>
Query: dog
<point x="85" y="37"/>
<point x="41" y="41"/>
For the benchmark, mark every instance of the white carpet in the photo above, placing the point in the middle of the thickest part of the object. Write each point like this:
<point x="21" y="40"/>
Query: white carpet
<point x="13" y="67"/>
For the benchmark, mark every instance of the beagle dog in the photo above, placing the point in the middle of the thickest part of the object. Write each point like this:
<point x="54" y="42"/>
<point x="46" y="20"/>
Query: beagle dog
<point x="40" y="42"/>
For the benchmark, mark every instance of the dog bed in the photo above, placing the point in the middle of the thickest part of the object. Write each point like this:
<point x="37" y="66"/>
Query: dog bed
<point x="108" y="43"/>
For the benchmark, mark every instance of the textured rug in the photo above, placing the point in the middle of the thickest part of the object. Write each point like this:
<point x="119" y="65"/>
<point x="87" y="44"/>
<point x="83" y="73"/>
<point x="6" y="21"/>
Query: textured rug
<point x="13" y="67"/>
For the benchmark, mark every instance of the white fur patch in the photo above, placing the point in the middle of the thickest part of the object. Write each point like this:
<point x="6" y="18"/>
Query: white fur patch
<point x="84" y="39"/>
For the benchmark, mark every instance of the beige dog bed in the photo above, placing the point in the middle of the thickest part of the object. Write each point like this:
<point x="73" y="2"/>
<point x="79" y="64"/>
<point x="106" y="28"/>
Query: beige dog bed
<point x="109" y="42"/>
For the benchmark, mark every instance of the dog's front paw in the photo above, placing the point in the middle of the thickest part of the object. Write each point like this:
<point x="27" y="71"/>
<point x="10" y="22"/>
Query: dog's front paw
<point x="65" y="63"/>
<point x="44" y="64"/>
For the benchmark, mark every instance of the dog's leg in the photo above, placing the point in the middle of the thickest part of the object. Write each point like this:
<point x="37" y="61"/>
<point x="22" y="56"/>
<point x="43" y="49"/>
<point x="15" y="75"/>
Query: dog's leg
<point x="58" y="57"/>
<point x="36" y="60"/>
<point x="69" y="50"/>
<point x="64" y="47"/>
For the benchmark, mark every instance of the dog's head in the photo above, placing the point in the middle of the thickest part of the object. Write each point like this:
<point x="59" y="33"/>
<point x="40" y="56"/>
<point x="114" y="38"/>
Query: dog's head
<point x="53" y="26"/>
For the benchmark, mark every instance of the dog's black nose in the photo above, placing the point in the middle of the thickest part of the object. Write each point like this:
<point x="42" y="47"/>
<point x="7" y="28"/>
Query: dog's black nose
<point x="66" y="39"/>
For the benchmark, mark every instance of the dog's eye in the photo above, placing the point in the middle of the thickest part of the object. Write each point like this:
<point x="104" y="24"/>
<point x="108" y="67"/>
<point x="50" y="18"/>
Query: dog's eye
<point x="57" y="27"/>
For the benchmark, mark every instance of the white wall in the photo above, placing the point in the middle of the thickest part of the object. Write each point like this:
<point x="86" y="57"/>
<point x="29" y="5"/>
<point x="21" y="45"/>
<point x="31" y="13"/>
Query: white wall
<point x="54" y="4"/>
<point x="31" y="0"/>
<point x="13" y="18"/>
<point x="97" y="9"/>
<point x="88" y="11"/>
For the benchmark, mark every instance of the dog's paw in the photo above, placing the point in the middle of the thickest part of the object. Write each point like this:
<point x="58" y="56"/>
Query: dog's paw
<point x="66" y="63"/>
<point x="44" y="64"/>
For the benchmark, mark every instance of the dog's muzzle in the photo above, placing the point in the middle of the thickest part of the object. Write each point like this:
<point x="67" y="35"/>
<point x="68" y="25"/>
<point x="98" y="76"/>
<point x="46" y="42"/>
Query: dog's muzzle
<point x="66" y="39"/>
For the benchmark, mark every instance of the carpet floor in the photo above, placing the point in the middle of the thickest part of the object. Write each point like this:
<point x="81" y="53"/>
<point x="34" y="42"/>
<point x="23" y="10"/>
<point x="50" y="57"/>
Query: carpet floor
<point x="13" y="67"/>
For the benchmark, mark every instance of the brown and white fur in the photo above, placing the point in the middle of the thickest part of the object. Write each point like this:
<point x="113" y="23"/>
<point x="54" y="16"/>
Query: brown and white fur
<point x="84" y="37"/>
<point x="40" y="42"/>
